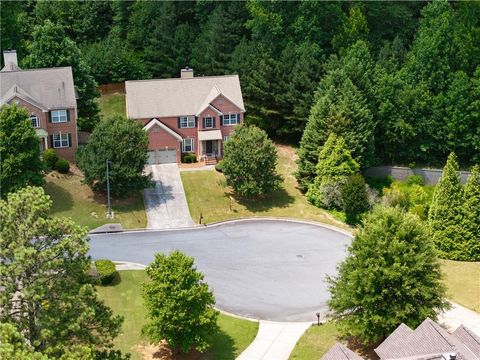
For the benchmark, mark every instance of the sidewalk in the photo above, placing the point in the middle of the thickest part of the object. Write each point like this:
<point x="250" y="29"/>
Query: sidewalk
<point x="459" y="315"/>
<point x="274" y="341"/>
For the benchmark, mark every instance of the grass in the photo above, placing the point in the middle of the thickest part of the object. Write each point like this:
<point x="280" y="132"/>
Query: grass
<point x="73" y="199"/>
<point x="124" y="297"/>
<point x="315" y="342"/>
<point x="207" y="194"/>
<point x="113" y="104"/>
<point x="463" y="282"/>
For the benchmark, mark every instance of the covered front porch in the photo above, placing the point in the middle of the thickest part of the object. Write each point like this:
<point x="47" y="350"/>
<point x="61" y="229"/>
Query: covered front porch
<point x="210" y="145"/>
<point x="43" y="139"/>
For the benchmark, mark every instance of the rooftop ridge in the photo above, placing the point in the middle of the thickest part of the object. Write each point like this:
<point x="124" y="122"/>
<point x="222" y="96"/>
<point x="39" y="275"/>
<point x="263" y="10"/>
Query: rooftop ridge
<point x="194" y="78"/>
<point x="37" y="69"/>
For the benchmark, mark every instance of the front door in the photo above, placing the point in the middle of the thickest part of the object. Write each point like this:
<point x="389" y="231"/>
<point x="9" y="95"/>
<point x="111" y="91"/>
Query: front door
<point x="209" y="147"/>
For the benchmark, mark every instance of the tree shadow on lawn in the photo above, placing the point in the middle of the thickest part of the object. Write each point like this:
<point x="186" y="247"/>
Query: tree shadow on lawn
<point x="279" y="198"/>
<point x="222" y="347"/>
<point x="62" y="200"/>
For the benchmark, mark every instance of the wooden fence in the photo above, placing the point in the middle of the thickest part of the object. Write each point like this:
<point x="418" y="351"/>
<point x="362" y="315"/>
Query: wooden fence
<point x="112" y="88"/>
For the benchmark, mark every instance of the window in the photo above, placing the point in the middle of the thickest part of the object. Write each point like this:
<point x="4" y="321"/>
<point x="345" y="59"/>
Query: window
<point x="60" y="140"/>
<point x="208" y="122"/>
<point x="59" y="116"/>
<point x="230" y="119"/>
<point x="225" y="137"/>
<point x="187" y="145"/>
<point x="187" y="121"/>
<point x="35" y="121"/>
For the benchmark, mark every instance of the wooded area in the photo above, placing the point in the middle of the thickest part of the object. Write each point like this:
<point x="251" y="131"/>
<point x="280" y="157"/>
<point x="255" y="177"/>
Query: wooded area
<point x="400" y="81"/>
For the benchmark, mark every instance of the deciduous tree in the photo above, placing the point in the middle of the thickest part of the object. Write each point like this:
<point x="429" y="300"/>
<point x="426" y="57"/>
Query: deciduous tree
<point x="391" y="276"/>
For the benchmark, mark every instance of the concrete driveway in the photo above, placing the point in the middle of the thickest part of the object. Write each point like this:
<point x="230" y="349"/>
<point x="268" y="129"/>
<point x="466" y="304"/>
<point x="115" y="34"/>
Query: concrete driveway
<point x="262" y="269"/>
<point x="165" y="204"/>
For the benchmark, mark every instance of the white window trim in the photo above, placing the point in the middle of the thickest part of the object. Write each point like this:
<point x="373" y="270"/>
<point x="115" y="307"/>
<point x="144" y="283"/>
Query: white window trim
<point x="229" y="123"/>
<point x="61" y="138"/>
<point x="226" y="137"/>
<point x="37" y="120"/>
<point x="189" y="122"/>
<point x="211" y="119"/>
<point x="57" y="116"/>
<point x="192" y="145"/>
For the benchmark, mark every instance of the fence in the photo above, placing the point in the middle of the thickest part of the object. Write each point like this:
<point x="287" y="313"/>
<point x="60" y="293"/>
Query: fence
<point x="431" y="176"/>
<point x="112" y="88"/>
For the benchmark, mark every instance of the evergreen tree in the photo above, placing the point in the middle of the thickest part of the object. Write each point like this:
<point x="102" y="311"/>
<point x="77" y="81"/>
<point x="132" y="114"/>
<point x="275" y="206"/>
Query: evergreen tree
<point x="390" y="276"/>
<point x="471" y="217"/>
<point x="335" y="165"/>
<point x="179" y="303"/>
<point x="354" y="28"/>
<point x="50" y="47"/>
<point x="45" y="291"/>
<point x="445" y="215"/>
<point x="354" y="198"/>
<point x="20" y="162"/>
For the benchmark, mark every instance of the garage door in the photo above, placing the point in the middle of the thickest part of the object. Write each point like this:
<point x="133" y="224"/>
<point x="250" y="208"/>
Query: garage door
<point x="162" y="157"/>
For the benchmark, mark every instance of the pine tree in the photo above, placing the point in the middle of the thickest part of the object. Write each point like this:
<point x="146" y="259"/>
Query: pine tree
<point x="391" y="276"/>
<point x="471" y="217"/>
<point x="354" y="198"/>
<point x="445" y="215"/>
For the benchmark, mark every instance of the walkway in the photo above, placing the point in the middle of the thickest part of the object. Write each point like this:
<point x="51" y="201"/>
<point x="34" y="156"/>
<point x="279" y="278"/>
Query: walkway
<point x="458" y="315"/>
<point x="166" y="204"/>
<point x="274" y="341"/>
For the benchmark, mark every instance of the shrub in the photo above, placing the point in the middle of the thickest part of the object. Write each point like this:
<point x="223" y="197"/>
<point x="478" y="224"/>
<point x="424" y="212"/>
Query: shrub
<point x="416" y="180"/>
<point x="354" y="198"/>
<point x="394" y="196"/>
<point x="106" y="271"/>
<point x="189" y="158"/>
<point x="50" y="157"/>
<point x="62" y="166"/>
<point x="219" y="166"/>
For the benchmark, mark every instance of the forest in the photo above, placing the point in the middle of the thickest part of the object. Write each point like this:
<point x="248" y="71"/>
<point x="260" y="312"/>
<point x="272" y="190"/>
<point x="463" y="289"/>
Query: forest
<point x="400" y="81"/>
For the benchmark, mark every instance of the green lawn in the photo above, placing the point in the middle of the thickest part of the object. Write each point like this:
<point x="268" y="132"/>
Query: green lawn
<point x="463" y="282"/>
<point x="113" y="104"/>
<point x="73" y="199"/>
<point x="208" y="195"/>
<point x="315" y="342"/>
<point x="124" y="297"/>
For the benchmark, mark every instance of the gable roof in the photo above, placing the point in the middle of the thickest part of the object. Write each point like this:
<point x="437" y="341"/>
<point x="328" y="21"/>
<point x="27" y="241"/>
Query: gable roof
<point x="51" y="88"/>
<point x="155" y="122"/>
<point x="340" y="352"/>
<point x="428" y="341"/>
<point x="177" y="97"/>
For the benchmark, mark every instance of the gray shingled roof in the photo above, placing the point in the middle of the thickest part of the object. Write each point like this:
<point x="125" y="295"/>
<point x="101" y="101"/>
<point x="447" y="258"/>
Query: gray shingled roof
<point x="340" y="352"/>
<point x="176" y="97"/>
<point x="468" y="338"/>
<point x="428" y="341"/>
<point x="51" y="88"/>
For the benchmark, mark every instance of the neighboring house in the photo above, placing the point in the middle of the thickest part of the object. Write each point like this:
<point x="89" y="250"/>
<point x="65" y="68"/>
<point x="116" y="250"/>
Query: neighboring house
<point x="340" y="352"/>
<point x="49" y="97"/>
<point x="186" y="115"/>
<point x="429" y="341"/>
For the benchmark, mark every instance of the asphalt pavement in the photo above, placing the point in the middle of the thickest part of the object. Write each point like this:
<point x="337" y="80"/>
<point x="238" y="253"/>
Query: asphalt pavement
<point x="263" y="269"/>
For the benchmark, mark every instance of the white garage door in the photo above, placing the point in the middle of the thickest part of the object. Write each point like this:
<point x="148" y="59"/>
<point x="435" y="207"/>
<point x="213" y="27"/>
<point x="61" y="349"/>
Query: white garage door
<point x="162" y="157"/>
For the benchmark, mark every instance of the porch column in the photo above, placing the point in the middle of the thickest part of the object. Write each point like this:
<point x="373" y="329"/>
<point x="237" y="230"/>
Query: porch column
<point x="219" y="145"/>
<point x="46" y="143"/>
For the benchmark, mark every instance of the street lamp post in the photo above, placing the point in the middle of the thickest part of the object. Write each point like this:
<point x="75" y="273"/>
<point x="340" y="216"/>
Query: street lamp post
<point x="109" y="215"/>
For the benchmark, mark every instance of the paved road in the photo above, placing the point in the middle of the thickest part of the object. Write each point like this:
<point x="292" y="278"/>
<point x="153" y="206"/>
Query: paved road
<point x="165" y="204"/>
<point x="268" y="270"/>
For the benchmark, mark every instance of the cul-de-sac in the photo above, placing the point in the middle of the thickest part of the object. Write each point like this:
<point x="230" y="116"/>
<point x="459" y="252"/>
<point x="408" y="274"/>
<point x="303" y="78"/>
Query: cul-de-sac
<point x="251" y="180"/>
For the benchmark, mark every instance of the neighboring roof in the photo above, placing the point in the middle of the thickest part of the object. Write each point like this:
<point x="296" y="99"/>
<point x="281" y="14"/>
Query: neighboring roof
<point x="210" y="135"/>
<point x="340" y="352"/>
<point x="468" y="338"/>
<point x="155" y="122"/>
<point x="428" y="341"/>
<point x="51" y="88"/>
<point x="177" y="97"/>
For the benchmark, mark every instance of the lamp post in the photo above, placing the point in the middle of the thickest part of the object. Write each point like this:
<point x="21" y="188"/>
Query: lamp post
<point x="109" y="214"/>
<point x="318" y="318"/>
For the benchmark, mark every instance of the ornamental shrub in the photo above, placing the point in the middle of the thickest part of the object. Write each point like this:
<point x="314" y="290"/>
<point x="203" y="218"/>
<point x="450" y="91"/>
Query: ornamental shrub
<point x="354" y="198"/>
<point x="189" y="158"/>
<point x="416" y="180"/>
<point x="50" y="157"/>
<point x="62" y="166"/>
<point x="219" y="166"/>
<point x="106" y="271"/>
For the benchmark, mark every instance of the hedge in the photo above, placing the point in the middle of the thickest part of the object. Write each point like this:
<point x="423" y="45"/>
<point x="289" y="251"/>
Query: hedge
<point x="106" y="271"/>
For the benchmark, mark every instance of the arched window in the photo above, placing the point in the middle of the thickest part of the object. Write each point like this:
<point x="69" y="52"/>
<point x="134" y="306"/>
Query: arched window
<point x="35" y="121"/>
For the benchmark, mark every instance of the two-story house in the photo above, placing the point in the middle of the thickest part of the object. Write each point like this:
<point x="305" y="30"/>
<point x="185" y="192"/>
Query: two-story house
<point x="186" y="115"/>
<point x="50" y="98"/>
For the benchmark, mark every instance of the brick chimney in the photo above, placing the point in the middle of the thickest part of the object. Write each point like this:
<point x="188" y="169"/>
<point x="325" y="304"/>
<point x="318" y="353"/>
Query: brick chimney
<point x="186" y="73"/>
<point x="10" y="56"/>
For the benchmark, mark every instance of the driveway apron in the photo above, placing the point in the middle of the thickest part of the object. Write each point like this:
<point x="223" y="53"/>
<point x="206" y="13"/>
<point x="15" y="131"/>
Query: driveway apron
<point x="165" y="203"/>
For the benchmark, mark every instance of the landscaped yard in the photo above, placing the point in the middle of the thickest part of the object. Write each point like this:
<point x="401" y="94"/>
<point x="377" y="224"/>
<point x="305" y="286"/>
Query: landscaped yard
<point x="73" y="199"/>
<point x="113" y="104"/>
<point x="124" y="297"/>
<point x="208" y="195"/>
<point x="463" y="282"/>
<point x="315" y="342"/>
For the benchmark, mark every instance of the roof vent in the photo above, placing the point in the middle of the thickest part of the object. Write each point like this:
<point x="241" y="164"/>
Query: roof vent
<point x="186" y="73"/>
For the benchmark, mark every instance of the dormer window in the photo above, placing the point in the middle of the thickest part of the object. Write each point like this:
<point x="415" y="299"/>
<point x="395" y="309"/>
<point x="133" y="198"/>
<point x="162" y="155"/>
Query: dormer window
<point x="58" y="116"/>
<point x="35" y="121"/>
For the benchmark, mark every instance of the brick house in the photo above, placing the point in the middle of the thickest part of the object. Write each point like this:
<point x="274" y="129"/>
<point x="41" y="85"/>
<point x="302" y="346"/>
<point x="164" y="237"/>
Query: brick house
<point x="49" y="97"/>
<point x="186" y="115"/>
